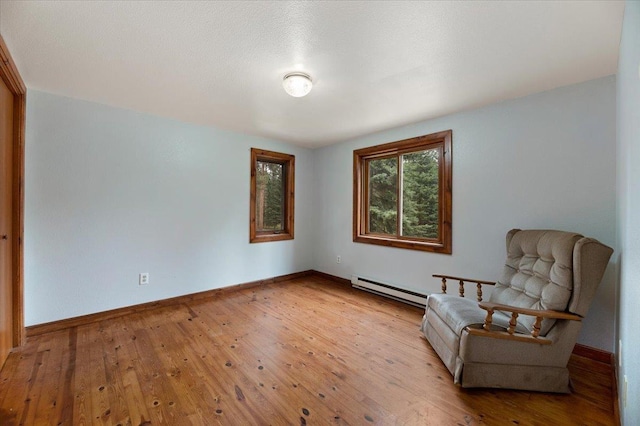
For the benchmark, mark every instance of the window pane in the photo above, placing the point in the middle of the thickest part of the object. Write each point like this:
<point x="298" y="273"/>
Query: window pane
<point x="269" y="196"/>
<point x="420" y="194"/>
<point x="402" y="193"/>
<point x="383" y="196"/>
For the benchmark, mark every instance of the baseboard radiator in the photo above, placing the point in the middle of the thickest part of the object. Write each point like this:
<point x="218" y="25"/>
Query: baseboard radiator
<point x="387" y="290"/>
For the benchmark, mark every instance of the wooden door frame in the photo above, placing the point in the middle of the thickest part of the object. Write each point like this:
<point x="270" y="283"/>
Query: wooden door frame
<point x="9" y="74"/>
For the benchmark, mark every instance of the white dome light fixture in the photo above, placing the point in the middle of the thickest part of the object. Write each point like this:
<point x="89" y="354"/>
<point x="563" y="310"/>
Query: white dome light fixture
<point x="297" y="84"/>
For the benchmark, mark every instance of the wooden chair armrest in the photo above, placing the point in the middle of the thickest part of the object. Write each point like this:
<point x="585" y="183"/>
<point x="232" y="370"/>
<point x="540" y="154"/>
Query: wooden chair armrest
<point x="479" y="284"/>
<point x="469" y="280"/>
<point x="547" y="313"/>
<point x="504" y="335"/>
<point x="515" y="311"/>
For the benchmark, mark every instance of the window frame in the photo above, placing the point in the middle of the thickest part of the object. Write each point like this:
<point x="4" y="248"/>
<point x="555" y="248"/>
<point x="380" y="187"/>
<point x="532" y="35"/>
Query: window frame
<point x="288" y="163"/>
<point x="440" y="140"/>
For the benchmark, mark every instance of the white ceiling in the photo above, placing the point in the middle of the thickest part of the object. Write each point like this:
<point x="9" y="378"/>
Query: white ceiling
<point x="375" y="65"/>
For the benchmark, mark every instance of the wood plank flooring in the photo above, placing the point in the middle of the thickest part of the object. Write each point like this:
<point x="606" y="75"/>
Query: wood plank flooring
<point x="303" y="352"/>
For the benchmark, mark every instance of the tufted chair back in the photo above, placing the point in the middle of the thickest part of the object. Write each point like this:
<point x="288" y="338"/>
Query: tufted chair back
<point x="538" y="273"/>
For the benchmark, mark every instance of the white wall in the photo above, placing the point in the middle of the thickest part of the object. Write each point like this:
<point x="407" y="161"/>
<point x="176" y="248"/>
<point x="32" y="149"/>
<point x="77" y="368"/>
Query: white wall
<point x="628" y="91"/>
<point x="111" y="193"/>
<point x="543" y="161"/>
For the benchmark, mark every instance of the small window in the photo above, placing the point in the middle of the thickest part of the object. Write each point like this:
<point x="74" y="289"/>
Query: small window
<point x="272" y="192"/>
<point x="402" y="193"/>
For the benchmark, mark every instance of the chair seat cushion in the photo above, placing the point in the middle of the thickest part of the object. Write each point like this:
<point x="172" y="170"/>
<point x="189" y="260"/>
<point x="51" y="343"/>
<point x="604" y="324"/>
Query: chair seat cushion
<point x="459" y="312"/>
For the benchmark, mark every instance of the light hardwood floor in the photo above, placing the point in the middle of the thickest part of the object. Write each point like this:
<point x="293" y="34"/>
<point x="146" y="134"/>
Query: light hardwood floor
<point x="306" y="351"/>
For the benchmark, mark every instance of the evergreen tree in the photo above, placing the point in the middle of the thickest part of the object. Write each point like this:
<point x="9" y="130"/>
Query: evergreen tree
<point x="420" y="201"/>
<point x="270" y="195"/>
<point x="274" y="200"/>
<point x="383" y="195"/>
<point x="420" y="194"/>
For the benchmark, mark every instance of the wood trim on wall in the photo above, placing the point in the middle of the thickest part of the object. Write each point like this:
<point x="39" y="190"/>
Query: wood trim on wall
<point x="35" y="330"/>
<point x="11" y="77"/>
<point x="333" y="278"/>
<point x="593" y="353"/>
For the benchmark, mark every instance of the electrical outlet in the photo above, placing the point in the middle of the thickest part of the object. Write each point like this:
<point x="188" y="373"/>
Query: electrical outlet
<point x="338" y="259"/>
<point x="143" y="278"/>
<point x="624" y="391"/>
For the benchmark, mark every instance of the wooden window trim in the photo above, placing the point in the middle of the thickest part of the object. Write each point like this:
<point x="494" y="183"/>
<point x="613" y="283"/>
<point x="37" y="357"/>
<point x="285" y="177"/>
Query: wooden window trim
<point x="288" y="161"/>
<point x="442" y="244"/>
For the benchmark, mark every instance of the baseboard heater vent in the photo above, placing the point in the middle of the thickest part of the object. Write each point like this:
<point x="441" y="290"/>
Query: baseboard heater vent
<point x="386" y="290"/>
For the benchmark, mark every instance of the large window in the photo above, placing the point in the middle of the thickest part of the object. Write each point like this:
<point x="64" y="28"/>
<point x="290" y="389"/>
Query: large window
<point x="402" y="193"/>
<point x="272" y="192"/>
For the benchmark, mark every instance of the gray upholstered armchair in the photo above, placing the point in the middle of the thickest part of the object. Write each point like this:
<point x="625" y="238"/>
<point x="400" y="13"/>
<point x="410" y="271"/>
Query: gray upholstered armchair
<point x="523" y="336"/>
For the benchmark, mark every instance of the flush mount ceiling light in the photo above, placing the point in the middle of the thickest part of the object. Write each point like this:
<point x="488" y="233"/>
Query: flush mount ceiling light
<point x="297" y="84"/>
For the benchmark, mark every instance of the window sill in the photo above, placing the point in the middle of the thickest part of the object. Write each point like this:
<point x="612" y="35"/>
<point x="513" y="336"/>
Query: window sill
<point x="431" y="246"/>
<point x="265" y="238"/>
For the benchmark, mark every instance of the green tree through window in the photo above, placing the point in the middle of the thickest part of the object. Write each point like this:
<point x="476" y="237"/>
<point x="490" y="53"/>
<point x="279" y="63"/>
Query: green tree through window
<point x="269" y="197"/>
<point x="420" y="194"/>
<point x="383" y="196"/>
